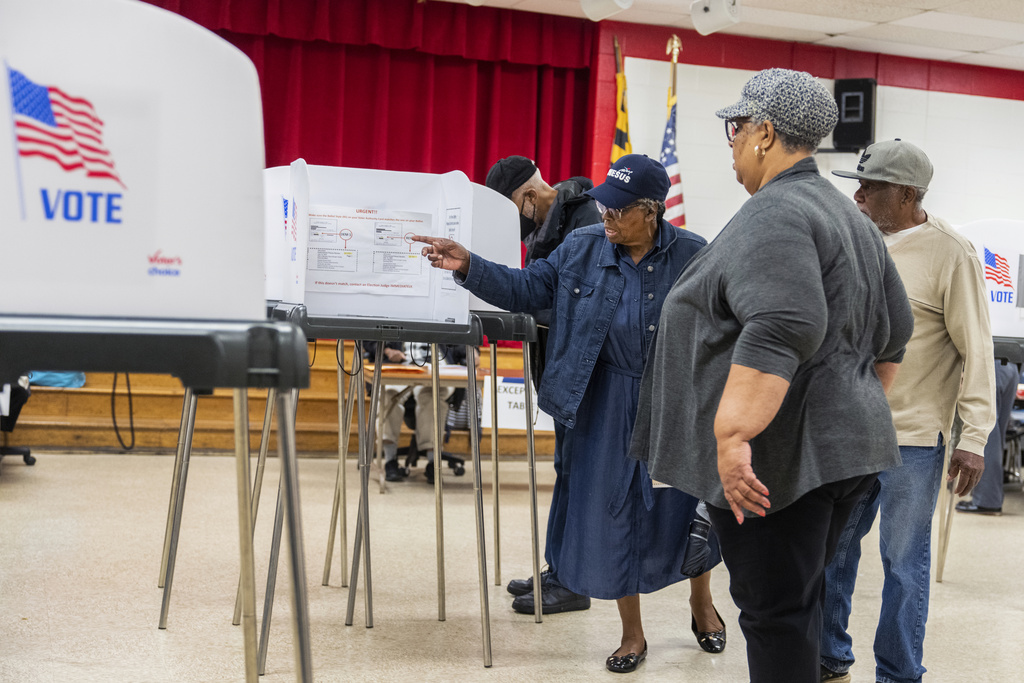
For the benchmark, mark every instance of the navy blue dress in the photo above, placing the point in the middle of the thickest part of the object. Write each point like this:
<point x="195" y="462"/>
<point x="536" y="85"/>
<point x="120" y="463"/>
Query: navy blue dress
<point x="610" y="533"/>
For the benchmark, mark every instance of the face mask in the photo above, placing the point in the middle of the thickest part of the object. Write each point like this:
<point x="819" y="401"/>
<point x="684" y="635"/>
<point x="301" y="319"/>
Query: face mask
<point x="527" y="225"/>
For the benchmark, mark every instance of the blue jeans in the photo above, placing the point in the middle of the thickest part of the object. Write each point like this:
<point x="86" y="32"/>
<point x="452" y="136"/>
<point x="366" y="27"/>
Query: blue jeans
<point x="906" y="496"/>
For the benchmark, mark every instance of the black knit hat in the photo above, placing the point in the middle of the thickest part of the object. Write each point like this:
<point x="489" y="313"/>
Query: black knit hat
<point x="509" y="174"/>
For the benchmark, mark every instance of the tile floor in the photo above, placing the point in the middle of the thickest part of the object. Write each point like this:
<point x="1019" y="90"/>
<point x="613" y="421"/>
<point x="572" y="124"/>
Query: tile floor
<point x="80" y="544"/>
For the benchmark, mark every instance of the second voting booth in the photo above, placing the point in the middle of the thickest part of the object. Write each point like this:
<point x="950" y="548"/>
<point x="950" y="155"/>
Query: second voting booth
<point x="342" y="260"/>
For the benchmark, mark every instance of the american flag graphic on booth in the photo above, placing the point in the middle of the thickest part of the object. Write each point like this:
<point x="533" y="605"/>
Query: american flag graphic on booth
<point x="997" y="269"/>
<point x="54" y="125"/>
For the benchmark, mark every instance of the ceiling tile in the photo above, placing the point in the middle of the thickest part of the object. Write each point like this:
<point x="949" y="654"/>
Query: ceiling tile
<point x="642" y="15"/>
<point x="921" y="36"/>
<point x="958" y="23"/>
<point x="774" y="33"/>
<point x="891" y="48"/>
<point x="1010" y="51"/>
<point x="844" y="9"/>
<point x="998" y="10"/>
<point x="922" y="4"/>
<point x="565" y="8"/>
<point x="806" y="22"/>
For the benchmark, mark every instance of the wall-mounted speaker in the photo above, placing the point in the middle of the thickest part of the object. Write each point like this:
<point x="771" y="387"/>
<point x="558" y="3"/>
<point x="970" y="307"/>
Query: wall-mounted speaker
<point x="855" y="98"/>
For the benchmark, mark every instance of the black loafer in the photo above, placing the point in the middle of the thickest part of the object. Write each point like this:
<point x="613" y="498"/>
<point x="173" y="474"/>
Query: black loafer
<point x="627" y="663"/>
<point x="709" y="641"/>
<point x="966" y="506"/>
<point x="519" y="587"/>
<point x="555" y="600"/>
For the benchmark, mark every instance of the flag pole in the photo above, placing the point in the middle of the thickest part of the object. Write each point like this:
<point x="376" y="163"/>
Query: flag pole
<point x="620" y="143"/>
<point x="674" y="47"/>
<point x="16" y="149"/>
<point x="675" y="212"/>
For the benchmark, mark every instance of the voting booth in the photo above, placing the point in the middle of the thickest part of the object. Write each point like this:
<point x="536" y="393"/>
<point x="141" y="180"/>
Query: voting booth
<point x="342" y="262"/>
<point x="349" y="268"/>
<point x="130" y="220"/>
<point x="999" y="244"/>
<point x="1000" y="247"/>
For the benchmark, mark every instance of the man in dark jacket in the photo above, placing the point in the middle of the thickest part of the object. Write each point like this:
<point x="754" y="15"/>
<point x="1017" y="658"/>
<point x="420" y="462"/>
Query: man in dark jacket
<point x="546" y="215"/>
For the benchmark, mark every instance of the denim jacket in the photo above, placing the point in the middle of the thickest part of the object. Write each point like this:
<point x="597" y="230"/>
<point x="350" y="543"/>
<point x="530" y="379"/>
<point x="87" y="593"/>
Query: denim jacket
<point x="581" y="282"/>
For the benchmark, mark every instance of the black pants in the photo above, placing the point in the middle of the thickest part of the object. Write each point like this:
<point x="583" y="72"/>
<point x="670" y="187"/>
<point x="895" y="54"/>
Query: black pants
<point x="777" y="577"/>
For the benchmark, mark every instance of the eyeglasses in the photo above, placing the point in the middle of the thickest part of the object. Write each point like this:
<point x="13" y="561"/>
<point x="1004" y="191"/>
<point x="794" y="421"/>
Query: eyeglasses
<point x="733" y="127"/>
<point x="615" y="214"/>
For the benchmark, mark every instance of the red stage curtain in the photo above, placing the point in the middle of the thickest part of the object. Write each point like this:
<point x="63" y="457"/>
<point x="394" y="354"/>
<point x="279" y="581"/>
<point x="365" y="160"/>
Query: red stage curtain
<point x="405" y="86"/>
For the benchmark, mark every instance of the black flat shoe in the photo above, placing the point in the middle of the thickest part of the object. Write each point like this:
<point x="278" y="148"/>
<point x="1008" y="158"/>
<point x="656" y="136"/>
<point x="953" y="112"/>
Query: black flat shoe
<point x="709" y="641"/>
<point x="626" y="664"/>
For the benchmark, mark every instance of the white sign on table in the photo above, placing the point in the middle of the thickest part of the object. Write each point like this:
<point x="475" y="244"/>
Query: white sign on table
<point x="512" y="406"/>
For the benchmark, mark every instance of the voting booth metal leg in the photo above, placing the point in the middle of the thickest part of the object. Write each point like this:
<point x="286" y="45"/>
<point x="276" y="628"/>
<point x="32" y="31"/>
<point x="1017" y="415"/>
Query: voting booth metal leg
<point x="478" y="499"/>
<point x="268" y="597"/>
<point x="245" y="534"/>
<point x="297" y="556"/>
<point x="178" y="494"/>
<point x="531" y="459"/>
<point x="340" y="496"/>
<point x="188" y="417"/>
<point x="495" y="490"/>
<point x="435" y="392"/>
<point x="257" y="487"/>
<point x="361" y="545"/>
<point x="275" y="555"/>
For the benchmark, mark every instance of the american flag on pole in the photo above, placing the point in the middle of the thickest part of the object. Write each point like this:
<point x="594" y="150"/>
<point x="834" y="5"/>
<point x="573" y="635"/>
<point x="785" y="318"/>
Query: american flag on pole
<point x="59" y="127"/>
<point x="997" y="269"/>
<point x="675" y="211"/>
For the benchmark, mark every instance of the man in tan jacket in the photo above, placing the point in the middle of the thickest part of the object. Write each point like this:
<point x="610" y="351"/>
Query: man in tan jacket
<point x="952" y="341"/>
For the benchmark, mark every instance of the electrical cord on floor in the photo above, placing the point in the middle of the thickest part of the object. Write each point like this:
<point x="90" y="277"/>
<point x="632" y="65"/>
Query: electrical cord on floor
<point x="314" y="352"/>
<point x="131" y="412"/>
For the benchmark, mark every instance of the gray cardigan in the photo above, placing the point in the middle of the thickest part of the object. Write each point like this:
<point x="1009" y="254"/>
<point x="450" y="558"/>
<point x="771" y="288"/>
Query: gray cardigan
<point x="799" y="285"/>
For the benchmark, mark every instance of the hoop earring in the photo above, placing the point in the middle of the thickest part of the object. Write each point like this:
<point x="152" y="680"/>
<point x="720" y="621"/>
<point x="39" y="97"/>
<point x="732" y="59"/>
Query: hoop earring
<point x="759" y="153"/>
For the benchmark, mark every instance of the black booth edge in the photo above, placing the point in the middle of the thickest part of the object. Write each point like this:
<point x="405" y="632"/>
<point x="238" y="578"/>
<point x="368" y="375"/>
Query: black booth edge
<point x="202" y="354"/>
<point x="1010" y="349"/>
<point x="368" y="329"/>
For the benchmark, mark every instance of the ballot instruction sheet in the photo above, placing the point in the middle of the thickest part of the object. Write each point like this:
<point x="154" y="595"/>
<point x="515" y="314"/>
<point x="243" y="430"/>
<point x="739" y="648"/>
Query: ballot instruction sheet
<point x="365" y="250"/>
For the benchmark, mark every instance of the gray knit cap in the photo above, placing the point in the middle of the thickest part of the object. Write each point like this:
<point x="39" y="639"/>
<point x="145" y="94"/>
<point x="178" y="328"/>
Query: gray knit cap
<point x="794" y="101"/>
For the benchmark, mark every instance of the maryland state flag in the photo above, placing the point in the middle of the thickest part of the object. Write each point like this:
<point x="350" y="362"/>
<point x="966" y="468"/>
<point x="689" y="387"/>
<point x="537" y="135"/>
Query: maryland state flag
<point x="621" y="145"/>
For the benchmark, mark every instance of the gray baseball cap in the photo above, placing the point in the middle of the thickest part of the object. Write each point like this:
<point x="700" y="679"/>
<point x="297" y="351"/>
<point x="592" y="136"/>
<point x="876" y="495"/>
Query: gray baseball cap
<point x="893" y="161"/>
<point x="794" y="101"/>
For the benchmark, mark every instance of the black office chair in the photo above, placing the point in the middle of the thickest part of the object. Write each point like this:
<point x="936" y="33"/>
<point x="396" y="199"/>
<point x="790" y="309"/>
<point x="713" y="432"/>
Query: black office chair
<point x="19" y="396"/>
<point x="413" y="454"/>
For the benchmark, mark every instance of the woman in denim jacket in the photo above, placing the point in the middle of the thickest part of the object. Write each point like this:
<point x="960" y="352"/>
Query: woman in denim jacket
<point x="611" y="534"/>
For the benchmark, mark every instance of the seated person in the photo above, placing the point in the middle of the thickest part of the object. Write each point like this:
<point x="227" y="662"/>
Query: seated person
<point x="412" y="353"/>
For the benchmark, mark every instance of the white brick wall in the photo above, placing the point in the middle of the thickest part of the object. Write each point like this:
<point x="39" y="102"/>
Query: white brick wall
<point x="978" y="157"/>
